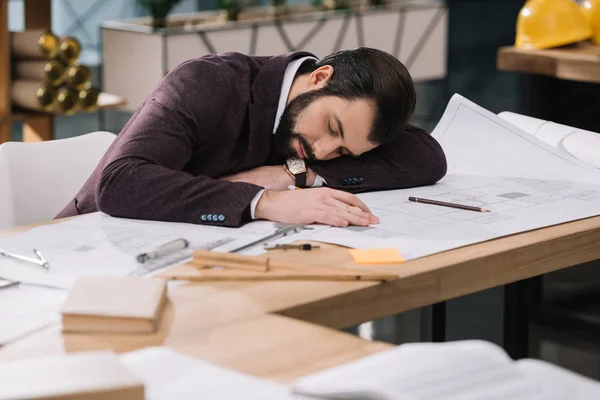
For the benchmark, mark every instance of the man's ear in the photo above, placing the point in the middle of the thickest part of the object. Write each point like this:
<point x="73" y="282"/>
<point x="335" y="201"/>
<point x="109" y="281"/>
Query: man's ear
<point x="320" y="77"/>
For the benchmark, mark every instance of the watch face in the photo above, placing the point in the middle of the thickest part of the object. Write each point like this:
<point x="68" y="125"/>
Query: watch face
<point x="296" y="165"/>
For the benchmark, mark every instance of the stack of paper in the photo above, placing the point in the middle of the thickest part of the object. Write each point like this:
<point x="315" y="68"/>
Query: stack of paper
<point x="170" y="375"/>
<point x="87" y="375"/>
<point x="467" y="370"/>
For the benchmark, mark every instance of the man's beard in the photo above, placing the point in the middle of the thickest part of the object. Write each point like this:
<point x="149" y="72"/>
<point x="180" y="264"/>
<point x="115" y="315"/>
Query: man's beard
<point x="284" y="135"/>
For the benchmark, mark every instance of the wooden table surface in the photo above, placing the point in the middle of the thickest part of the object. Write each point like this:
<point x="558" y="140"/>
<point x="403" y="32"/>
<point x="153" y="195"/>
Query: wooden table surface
<point x="282" y="330"/>
<point x="577" y="62"/>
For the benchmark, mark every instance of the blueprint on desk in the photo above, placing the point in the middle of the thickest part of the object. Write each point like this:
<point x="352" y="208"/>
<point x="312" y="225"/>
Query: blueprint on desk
<point x="524" y="182"/>
<point x="99" y="244"/>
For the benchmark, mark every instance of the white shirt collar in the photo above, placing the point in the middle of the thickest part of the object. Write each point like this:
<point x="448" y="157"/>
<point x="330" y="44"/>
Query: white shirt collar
<point x="288" y="79"/>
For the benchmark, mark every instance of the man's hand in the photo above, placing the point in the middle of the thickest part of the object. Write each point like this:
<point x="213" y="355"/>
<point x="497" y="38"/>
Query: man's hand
<point x="273" y="177"/>
<point x="317" y="205"/>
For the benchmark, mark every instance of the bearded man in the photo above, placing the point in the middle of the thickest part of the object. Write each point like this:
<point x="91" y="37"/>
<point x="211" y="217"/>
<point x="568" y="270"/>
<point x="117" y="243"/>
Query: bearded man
<point x="222" y="137"/>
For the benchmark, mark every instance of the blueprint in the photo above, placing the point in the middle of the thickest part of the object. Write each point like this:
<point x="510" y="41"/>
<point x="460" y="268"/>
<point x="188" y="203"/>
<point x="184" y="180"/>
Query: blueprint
<point x="478" y="142"/>
<point x="515" y="204"/>
<point x="581" y="144"/>
<point x="524" y="182"/>
<point x="99" y="244"/>
<point x="24" y="309"/>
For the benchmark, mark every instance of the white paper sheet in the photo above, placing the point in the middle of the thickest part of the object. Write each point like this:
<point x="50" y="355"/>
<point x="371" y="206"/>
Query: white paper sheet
<point x="24" y="309"/>
<point x="559" y="382"/>
<point x="526" y="183"/>
<point x="579" y="143"/>
<point x="516" y="204"/>
<point x="478" y="142"/>
<point x="100" y="244"/>
<point x="170" y="375"/>
<point x="465" y="370"/>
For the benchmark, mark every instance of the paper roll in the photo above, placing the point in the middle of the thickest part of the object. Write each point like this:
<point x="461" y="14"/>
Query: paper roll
<point x="33" y="95"/>
<point x="52" y="72"/>
<point x="34" y="45"/>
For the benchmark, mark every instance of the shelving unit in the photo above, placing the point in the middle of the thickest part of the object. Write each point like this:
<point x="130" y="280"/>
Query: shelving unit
<point x="37" y="126"/>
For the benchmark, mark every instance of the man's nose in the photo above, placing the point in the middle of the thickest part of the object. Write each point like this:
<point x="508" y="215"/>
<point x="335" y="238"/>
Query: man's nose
<point x="325" y="148"/>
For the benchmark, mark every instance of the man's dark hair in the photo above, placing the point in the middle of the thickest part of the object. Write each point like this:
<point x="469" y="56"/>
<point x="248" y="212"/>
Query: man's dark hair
<point x="374" y="74"/>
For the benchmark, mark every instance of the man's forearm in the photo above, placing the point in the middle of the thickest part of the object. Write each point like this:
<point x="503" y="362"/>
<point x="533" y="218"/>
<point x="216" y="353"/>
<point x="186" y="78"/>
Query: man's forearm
<point x="273" y="177"/>
<point x="270" y="178"/>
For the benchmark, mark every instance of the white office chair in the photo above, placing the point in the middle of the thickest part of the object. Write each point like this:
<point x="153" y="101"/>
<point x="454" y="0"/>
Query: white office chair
<point x="37" y="180"/>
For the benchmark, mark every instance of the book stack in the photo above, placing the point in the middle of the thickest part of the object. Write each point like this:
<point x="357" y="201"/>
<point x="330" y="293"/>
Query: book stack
<point x="47" y="76"/>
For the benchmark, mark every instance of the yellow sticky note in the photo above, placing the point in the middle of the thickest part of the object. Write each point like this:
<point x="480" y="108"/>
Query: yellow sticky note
<point x="376" y="256"/>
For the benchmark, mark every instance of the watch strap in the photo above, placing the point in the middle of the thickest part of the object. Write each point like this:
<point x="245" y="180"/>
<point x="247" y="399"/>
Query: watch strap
<point x="300" y="180"/>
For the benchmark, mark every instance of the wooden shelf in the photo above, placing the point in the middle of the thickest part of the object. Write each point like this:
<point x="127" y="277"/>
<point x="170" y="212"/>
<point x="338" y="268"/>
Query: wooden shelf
<point x="578" y="62"/>
<point x="106" y="101"/>
<point x="38" y="126"/>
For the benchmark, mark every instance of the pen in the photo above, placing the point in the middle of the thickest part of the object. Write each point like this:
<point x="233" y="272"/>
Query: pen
<point x="445" y="204"/>
<point x="163" y="250"/>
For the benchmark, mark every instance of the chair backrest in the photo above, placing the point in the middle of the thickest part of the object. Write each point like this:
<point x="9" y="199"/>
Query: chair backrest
<point x="37" y="180"/>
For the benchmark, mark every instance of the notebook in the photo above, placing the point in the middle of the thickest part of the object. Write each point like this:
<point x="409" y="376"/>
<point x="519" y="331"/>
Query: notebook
<point x="120" y="304"/>
<point x="462" y="370"/>
<point x="97" y="375"/>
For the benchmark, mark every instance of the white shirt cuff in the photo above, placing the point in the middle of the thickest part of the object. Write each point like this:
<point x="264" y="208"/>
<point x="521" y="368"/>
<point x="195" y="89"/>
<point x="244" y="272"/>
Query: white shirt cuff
<point x="318" y="182"/>
<point x="254" y="202"/>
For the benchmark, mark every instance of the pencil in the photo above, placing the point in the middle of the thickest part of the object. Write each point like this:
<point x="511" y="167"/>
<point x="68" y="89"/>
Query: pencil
<point x="445" y="204"/>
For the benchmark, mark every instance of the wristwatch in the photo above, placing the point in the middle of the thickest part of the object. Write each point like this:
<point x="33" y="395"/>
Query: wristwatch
<point x="296" y="167"/>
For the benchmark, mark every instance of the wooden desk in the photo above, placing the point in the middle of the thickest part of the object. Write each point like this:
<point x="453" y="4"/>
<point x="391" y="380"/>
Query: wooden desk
<point x="578" y="62"/>
<point x="271" y="329"/>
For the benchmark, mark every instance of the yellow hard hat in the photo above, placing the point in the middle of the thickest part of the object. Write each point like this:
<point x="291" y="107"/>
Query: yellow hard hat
<point x="550" y="23"/>
<point x="591" y="12"/>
